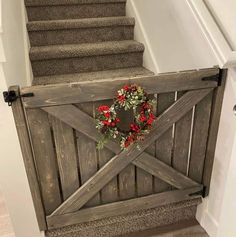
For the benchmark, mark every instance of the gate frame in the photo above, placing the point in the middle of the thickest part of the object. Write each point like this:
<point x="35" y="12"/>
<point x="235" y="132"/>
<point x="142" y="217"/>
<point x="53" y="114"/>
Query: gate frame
<point x="18" y="108"/>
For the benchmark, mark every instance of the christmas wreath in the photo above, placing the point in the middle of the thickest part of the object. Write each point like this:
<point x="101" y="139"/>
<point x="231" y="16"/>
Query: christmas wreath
<point x="129" y="97"/>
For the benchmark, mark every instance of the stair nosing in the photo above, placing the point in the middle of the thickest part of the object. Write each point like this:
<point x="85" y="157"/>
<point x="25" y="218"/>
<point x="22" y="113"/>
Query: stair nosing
<point x="80" y="23"/>
<point x="42" y="3"/>
<point x="38" y="53"/>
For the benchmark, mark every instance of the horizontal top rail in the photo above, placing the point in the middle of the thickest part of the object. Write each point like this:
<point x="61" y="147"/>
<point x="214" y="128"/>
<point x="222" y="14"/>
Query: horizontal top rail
<point x="87" y="91"/>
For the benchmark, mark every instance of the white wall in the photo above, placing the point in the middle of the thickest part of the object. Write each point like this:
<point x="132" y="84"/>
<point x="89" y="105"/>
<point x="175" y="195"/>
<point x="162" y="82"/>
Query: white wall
<point x="172" y="37"/>
<point x="224" y="13"/>
<point x="217" y="212"/>
<point x="13" y="70"/>
<point x="175" y="41"/>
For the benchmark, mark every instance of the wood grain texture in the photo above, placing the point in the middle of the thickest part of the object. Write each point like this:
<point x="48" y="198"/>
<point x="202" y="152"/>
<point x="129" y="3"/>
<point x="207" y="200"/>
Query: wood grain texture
<point x="164" y="172"/>
<point x="126" y="178"/>
<point x="145" y="161"/>
<point x="199" y="139"/>
<point x="80" y="121"/>
<point x="45" y="158"/>
<point x="66" y="157"/>
<point x="182" y="141"/>
<point x="164" y="144"/>
<point x="144" y="180"/>
<point x="119" y="162"/>
<point x="120" y="208"/>
<point x="87" y="154"/>
<point x="110" y="192"/>
<point x="213" y="131"/>
<point x="94" y="90"/>
<point x="24" y="139"/>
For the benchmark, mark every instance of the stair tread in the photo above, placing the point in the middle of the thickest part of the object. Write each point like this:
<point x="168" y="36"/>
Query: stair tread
<point x="91" y="76"/>
<point x="80" y="23"/>
<point x="85" y="50"/>
<point x="68" y="2"/>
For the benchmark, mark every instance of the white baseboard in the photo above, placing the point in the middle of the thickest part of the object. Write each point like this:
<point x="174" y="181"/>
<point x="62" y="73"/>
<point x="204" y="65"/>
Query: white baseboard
<point x="206" y="220"/>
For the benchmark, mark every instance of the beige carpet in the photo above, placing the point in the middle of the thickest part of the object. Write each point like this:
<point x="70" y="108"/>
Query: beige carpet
<point x="195" y="231"/>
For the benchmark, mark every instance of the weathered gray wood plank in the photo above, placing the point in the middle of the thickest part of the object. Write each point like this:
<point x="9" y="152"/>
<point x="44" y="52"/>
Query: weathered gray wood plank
<point x="164" y="172"/>
<point x="87" y="154"/>
<point x="126" y="178"/>
<point x="164" y="144"/>
<point x="110" y="192"/>
<point x="80" y="121"/>
<point x="213" y="132"/>
<point x="94" y="90"/>
<point x="45" y="158"/>
<point x="182" y="142"/>
<point x="120" y="208"/>
<point x="66" y="156"/>
<point x="144" y="180"/>
<point x="127" y="183"/>
<point x="144" y="161"/>
<point x="22" y="131"/>
<point x="199" y="139"/>
<point x="119" y="162"/>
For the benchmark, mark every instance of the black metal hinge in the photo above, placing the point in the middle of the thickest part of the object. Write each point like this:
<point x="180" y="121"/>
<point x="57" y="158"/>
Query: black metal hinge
<point x="216" y="78"/>
<point x="11" y="96"/>
<point x="199" y="193"/>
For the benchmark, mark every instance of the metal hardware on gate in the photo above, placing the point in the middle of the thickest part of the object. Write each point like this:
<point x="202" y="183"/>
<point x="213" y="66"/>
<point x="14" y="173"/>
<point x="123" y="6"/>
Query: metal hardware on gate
<point x="216" y="78"/>
<point x="199" y="193"/>
<point x="234" y="110"/>
<point x="11" y="96"/>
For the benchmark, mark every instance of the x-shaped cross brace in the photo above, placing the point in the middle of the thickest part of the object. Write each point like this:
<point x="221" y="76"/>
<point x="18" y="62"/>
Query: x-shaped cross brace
<point x="82" y="122"/>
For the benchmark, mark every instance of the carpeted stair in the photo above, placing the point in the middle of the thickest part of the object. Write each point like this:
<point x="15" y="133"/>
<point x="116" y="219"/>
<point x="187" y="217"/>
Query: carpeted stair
<point x="81" y="40"/>
<point x="74" y="40"/>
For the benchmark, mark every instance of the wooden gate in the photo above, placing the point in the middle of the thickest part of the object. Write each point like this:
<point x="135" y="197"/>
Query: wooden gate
<point x="72" y="182"/>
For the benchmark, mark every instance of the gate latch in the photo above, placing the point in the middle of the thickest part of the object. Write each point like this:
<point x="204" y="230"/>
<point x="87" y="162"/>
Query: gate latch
<point x="11" y="96"/>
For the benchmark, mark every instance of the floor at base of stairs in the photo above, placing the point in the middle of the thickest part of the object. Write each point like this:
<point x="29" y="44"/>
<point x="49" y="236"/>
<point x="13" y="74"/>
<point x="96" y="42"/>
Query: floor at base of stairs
<point x="6" y="229"/>
<point x="184" y="229"/>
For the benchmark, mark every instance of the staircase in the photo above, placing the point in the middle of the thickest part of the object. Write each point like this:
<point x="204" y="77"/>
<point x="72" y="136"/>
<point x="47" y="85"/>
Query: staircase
<point x="84" y="40"/>
<point x="76" y="40"/>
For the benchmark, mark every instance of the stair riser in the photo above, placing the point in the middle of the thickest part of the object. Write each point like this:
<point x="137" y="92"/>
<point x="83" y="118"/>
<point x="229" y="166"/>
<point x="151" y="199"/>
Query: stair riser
<point x="75" y="11"/>
<point x="77" y="36"/>
<point x="135" y="222"/>
<point x="86" y="64"/>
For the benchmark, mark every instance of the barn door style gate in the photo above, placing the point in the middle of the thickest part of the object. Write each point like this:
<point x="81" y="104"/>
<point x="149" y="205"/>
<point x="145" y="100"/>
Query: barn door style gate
<point x="72" y="182"/>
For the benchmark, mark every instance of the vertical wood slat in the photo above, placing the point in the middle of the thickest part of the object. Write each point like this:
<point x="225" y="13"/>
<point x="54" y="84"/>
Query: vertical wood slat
<point x="144" y="180"/>
<point x="87" y="155"/>
<point x="45" y="158"/>
<point x="164" y="144"/>
<point x="25" y="143"/>
<point x="66" y="156"/>
<point x="110" y="192"/>
<point x="199" y="138"/>
<point x="126" y="178"/>
<point x="213" y="131"/>
<point x="182" y="141"/>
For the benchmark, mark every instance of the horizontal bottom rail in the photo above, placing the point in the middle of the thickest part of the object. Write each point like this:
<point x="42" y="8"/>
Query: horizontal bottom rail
<point x="122" y="207"/>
